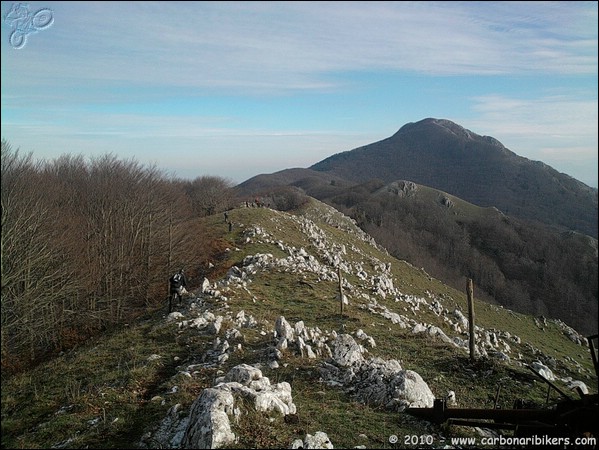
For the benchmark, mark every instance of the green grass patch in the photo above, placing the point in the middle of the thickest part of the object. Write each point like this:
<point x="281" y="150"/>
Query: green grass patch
<point x="99" y="395"/>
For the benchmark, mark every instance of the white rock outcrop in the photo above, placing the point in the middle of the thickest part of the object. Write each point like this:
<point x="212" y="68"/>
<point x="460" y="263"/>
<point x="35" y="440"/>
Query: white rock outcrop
<point x="543" y="370"/>
<point x="318" y="440"/>
<point x="374" y="381"/>
<point x="209" y="423"/>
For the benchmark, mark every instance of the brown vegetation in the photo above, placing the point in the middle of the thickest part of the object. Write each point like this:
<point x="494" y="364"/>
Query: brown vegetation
<point x="86" y="246"/>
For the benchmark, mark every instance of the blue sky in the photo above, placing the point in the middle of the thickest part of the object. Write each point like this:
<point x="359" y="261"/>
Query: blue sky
<point x="235" y="89"/>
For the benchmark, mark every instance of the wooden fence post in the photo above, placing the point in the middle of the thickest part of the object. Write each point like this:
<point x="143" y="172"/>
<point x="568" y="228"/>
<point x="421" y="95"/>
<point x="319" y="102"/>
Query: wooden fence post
<point x="470" y="292"/>
<point x="340" y="288"/>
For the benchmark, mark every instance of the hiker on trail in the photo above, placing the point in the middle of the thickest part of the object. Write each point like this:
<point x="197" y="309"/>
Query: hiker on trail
<point x="226" y="216"/>
<point x="177" y="283"/>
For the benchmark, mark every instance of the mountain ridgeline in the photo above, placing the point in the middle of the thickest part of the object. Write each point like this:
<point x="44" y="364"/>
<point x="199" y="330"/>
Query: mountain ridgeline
<point x="463" y="206"/>
<point x="478" y="169"/>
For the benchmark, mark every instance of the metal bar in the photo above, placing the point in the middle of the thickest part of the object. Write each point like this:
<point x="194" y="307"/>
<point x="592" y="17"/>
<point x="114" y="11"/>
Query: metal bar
<point x="505" y="415"/>
<point x="478" y="423"/>
<point x="593" y="354"/>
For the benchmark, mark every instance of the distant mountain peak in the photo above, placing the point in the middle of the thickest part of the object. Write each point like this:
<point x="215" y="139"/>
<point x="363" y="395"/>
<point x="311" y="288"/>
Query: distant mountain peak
<point x="429" y="124"/>
<point x="431" y="121"/>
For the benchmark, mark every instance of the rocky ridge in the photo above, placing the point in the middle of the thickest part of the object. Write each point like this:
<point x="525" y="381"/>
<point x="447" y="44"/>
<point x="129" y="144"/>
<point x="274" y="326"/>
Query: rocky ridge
<point x="345" y="361"/>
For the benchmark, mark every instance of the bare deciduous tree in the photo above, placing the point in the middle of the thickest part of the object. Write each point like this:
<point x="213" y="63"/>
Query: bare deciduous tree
<point x="86" y="244"/>
<point x="36" y="279"/>
<point x="210" y="194"/>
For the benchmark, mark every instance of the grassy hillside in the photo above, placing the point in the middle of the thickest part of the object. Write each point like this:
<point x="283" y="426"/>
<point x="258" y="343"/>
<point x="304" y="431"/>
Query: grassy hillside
<point x="521" y="265"/>
<point x="111" y="392"/>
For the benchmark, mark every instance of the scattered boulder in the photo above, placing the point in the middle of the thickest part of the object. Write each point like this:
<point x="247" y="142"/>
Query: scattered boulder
<point x="318" y="440"/>
<point x="543" y="370"/>
<point x="576" y="385"/>
<point x="169" y="432"/>
<point x="283" y="330"/>
<point x="209" y="425"/>
<point x="374" y="381"/>
<point x="451" y="399"/>
<point x="447" y="202"/>
<point x="346" y="351"/>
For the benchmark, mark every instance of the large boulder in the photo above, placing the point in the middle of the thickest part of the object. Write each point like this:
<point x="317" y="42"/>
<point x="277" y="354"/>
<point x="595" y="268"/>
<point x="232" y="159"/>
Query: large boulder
<point x="209" y="425"/>
<point x="375" y="381"/>
<point x="346" y="351"/>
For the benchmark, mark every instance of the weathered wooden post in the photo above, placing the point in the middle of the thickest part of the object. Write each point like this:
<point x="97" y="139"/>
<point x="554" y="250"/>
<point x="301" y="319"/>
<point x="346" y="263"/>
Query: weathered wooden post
<point x="470" y="292"/>
<point x="340" y="288"/>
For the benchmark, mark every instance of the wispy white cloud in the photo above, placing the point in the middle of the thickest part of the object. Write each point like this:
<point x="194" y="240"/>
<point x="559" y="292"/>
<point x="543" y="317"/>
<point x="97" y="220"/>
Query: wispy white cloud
<point x="552" y="117"/>
<point x="560" y="130"/>
<point x="281" y="46"/>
